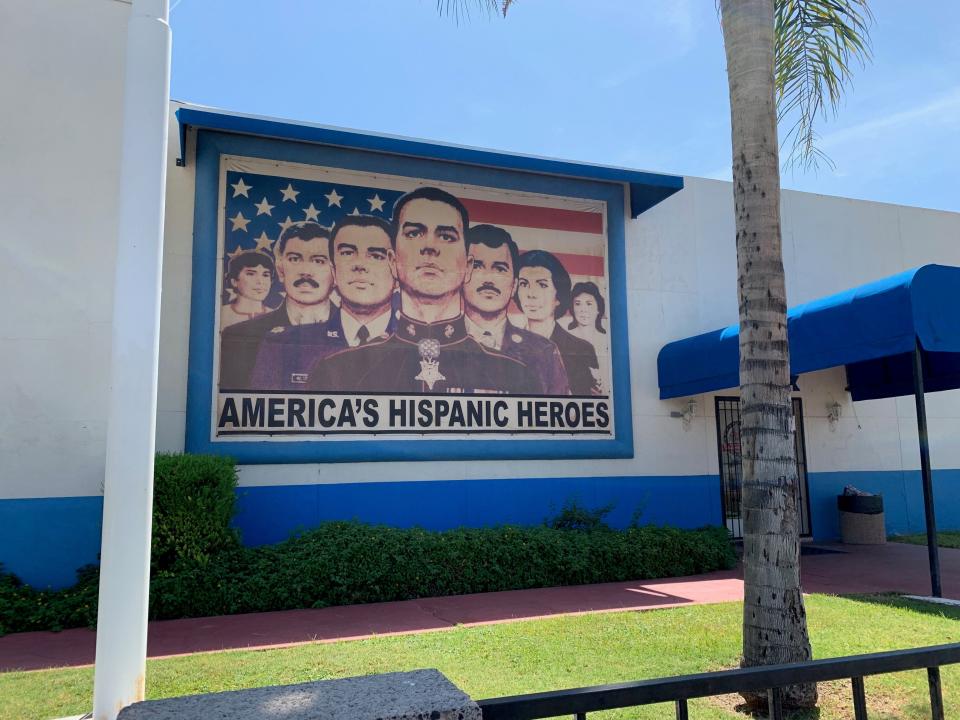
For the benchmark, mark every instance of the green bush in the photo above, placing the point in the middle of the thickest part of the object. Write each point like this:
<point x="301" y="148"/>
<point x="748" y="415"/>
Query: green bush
<point x="341" y="563"/>
<point x="193" y="504"/>
<point x="199" y="567"/>
<point x="22" y="608"/>
<point x="574" y="516"/>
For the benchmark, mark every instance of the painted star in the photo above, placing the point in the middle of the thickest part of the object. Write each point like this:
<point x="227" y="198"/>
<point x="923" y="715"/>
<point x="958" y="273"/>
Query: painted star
<point x="263" y="207"/>
<point x="263" y="242"/>
<point x="333" y="198"/>
<point x="286" y="223"/>
<point x="312" y="213"/>
<point x="239" y="222"/>
<point x="231" y="295"/>
<point x="290" y="194"/>
<point x="356" y="211"/>
<point x="375" y="203"/>
<point x="239" y="249"/>
<point x="241" y="188"/>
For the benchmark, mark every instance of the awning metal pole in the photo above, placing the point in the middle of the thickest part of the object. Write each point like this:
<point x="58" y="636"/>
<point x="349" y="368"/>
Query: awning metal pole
<point x="926" y="473"/>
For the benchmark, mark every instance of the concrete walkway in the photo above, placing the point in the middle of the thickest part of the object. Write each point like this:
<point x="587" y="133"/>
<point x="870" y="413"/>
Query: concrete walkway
<point x="854" y="569"/>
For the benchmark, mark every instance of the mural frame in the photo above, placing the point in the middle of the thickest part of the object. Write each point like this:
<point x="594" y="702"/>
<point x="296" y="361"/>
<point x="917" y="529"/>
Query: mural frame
<point x="211" y="145"/>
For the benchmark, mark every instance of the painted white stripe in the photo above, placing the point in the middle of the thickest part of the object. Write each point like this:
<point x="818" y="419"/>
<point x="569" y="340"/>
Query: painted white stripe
<point x="557" y="241"/>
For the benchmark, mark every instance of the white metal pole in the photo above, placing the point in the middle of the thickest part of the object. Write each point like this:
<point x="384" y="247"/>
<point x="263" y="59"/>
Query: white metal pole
<point x="119" y="676"/>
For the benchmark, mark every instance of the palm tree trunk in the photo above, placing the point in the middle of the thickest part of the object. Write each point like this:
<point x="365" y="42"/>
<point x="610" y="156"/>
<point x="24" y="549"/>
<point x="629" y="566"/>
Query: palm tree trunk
<point x="774" y="619"/>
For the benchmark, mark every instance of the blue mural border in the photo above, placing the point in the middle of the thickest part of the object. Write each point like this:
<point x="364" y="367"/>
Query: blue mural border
<point x="212" y="145"/>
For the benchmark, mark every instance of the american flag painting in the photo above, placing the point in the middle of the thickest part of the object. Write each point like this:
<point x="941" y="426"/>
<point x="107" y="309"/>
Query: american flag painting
<point x="332" y="365"/>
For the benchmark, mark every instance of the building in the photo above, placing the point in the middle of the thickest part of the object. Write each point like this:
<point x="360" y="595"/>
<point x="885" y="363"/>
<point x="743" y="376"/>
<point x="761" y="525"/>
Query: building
<point x="659" y="248"/>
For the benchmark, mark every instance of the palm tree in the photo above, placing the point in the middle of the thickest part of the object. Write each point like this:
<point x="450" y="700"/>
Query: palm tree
<point x="788" y="61"/>
<point x="797" y="52"/>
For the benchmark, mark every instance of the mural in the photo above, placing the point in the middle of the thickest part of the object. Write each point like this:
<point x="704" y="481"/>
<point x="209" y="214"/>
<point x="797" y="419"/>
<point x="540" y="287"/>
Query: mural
<point x="360" y="304"/>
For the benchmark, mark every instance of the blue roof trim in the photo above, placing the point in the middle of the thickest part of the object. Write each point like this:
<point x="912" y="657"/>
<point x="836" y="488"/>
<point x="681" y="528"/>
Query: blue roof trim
<point x="871" y="329"/>
<point x="646" y="188"/>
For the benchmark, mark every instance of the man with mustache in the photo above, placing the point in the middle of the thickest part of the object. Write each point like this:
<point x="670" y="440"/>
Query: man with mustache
<point x="487" y="295"/>
<point x="430" y="352"/>
<point x="364" y="275"/>
<point x="304" y="268"/>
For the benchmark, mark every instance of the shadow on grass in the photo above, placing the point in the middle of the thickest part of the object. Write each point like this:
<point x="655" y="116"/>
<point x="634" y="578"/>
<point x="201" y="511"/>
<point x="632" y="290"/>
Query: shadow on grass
<point x="892" y="600"/>
<point x="806" y="714"/>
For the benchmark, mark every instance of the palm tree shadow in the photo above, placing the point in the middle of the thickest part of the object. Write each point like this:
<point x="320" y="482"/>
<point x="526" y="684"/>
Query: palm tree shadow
<point x="762" y="714"/>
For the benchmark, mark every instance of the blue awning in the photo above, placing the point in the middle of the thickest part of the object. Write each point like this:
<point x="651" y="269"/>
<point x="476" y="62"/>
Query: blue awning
<point x="871" y="329"/>
<point x="646" y="188"/>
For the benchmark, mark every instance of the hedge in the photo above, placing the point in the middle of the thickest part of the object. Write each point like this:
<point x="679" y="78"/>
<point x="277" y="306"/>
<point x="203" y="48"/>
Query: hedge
<point x="199" y="568"/>
<point x="341" y="563"/>
<point x="193" y="505"/>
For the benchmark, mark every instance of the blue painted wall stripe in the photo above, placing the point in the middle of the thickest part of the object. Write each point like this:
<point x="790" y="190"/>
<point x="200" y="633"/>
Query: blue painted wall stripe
<point x="270" y="514"/>
<point x="45" y="540"/>
<point x="902" y="499"/>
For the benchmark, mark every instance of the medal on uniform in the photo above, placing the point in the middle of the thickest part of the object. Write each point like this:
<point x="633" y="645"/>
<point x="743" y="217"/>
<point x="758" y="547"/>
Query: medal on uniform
<point x="429" y="363"/>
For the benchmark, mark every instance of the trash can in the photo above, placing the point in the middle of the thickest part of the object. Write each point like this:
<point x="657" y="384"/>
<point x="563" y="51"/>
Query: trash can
<point x="861" y="519"/>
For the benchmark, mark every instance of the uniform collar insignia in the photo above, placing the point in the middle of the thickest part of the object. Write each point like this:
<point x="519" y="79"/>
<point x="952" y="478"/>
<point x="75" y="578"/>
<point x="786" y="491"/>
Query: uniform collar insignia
<point x="445" y="332"/>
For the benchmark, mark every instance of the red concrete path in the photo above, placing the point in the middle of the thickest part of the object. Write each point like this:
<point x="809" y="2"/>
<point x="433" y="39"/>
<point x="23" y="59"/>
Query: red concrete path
<point x="867" y="569"/>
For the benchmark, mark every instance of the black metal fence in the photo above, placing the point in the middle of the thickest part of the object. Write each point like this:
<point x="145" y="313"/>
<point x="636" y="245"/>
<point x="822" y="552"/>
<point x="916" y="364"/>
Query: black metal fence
<point x="772" y="679"/>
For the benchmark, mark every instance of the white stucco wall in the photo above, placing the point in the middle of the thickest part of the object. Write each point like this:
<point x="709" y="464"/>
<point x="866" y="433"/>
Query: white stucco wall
<point x="829" y="244"/>
<point x="681" y="281"/>
<point x="58" y="187"/>
<point x="61" y="86"/>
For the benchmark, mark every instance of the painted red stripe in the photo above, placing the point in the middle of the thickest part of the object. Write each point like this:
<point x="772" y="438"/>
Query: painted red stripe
<point x="592" y="265"/>
<point x="500" y="213"/>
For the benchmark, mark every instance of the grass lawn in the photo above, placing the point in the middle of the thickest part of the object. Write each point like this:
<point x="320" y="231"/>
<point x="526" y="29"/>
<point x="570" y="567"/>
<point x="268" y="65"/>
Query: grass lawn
<point x="945" y="538"/>
<point x="563" y="652"/>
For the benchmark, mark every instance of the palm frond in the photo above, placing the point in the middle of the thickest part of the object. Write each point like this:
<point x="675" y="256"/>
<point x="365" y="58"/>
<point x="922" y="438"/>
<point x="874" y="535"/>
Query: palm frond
<point x="462" y="8"/>
<point x="818" y="42"/>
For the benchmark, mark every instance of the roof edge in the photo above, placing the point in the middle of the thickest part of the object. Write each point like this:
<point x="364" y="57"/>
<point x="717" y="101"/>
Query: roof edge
<point x="646" y="188"/>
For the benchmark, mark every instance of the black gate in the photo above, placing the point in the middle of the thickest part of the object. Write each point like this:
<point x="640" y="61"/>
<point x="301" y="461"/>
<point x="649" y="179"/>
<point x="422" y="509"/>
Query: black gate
<point x="731" y="466"/>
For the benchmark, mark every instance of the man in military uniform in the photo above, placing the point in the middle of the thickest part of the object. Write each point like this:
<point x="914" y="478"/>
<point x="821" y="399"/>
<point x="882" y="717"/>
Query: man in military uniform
<point x="363" y="267"/>
<point x="486" y="296"/>
<point x="304" y="268"/>
<point x="361" y="256"/>
<point x="543" y="294"/>
<point x="430" y="352"/>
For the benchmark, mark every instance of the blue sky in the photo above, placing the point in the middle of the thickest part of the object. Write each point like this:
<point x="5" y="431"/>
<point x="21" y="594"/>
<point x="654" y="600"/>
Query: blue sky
<point x="636" y="83"/>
